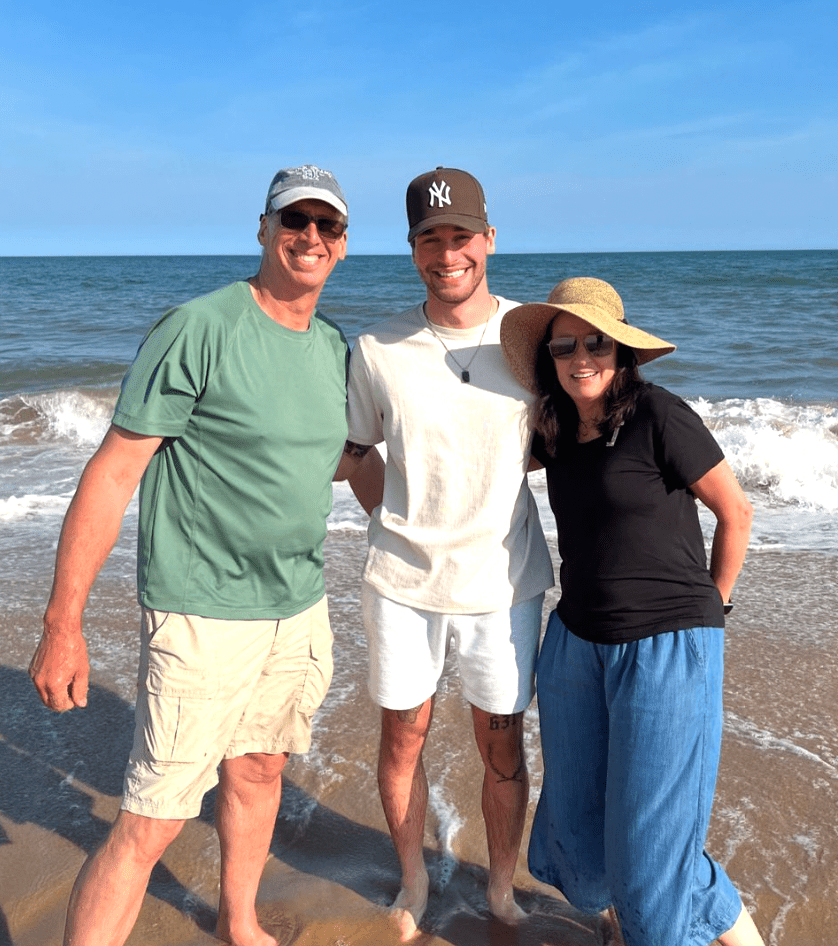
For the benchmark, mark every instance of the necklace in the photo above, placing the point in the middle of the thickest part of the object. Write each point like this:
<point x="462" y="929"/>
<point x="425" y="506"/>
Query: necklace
<point x="465" y="376"/>
<point x="586" y="432"/>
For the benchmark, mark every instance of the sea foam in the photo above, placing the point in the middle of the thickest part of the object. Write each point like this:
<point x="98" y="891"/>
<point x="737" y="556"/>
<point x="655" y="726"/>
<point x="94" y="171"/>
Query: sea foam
<point x="788" y="453"/>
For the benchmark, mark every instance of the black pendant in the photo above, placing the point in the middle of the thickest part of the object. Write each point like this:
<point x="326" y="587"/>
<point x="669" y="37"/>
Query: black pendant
<point x="465" y="376"/>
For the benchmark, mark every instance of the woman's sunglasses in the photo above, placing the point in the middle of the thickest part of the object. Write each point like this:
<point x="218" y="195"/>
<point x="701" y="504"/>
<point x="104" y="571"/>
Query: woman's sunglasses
<point x="327" y="227"/>
<point x="565" y="345"/>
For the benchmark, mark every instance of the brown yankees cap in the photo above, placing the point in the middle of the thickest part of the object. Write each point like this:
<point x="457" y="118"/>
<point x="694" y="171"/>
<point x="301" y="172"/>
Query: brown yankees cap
<point x="445" y="196"/>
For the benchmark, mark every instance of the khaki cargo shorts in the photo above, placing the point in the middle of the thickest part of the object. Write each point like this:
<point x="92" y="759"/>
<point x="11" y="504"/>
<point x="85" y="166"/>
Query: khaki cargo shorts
<point x="213" y="689"/>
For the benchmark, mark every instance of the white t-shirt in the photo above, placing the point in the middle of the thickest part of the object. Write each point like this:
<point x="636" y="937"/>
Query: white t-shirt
<point x="458" y="529"/>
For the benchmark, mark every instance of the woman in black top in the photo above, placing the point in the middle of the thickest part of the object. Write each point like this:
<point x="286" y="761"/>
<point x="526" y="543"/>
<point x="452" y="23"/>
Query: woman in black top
<point x="630" y="670"/>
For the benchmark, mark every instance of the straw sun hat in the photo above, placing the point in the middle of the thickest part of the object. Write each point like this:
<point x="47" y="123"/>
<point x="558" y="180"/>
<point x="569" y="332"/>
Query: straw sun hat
<point x="595" y="301"/>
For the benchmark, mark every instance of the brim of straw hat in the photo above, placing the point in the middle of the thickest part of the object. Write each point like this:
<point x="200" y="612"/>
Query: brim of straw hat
<point x="523" y="328"/>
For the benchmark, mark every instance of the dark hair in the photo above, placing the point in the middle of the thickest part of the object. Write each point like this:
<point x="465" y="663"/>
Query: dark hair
<point x="553" y="414"/>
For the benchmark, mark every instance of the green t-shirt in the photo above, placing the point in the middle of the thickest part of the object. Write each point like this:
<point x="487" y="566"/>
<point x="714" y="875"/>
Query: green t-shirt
<point x="233" y="506"/>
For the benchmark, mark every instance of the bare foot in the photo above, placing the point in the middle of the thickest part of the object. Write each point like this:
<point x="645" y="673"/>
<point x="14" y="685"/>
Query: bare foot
<point x="246" y="935"/>
<point x="409" y="908"/>
<point x="503" y="906"/>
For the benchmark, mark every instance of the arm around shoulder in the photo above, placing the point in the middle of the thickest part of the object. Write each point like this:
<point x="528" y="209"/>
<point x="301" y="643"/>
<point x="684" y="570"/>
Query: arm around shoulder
<point x="59" y="667"/>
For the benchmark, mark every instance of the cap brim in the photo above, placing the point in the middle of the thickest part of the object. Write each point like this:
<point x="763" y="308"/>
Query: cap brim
<point x="475" y="224"/>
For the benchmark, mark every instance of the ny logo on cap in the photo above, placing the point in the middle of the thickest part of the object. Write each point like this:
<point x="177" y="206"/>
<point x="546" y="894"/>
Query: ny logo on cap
<point x="439" y="192"/>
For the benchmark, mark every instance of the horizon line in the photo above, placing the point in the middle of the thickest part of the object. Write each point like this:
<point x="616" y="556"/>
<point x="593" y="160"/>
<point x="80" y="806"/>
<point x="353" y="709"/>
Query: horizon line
<point x="814" y="249"/>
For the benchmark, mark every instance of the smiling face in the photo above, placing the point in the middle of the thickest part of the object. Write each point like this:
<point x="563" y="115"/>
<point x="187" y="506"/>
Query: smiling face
<point x="299" y="261"/>
<point x="584" y="377"/>
<point x="451" y="261"/>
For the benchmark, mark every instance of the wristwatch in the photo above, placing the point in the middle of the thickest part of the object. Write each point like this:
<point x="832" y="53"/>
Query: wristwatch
<point x="728" y="605"/>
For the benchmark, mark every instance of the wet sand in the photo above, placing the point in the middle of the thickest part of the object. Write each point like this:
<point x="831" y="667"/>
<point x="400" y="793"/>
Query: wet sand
<point x="332" y="870"/>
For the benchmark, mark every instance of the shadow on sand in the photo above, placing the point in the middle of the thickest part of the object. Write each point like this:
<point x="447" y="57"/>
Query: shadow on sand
<point x="53" y="766"/>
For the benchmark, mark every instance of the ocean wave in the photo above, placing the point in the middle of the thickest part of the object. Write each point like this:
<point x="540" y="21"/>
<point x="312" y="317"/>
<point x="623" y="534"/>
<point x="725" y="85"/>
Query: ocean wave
<point x="787" y="453"/>
<point x="31" y="506"/>
<point x="78" y="417"/>
<point x="348" y="522"/>
<point x="746" y="729"/>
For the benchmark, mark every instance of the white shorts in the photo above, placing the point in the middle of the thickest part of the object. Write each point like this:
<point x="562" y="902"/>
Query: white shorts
<point x="407" y="648"/>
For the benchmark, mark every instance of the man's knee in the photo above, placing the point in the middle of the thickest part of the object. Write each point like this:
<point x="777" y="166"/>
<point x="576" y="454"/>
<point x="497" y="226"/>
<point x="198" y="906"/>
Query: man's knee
<point x="403" y="732"/>
<point x="141" y="838"/>
<point x="500" y="739"/>
<point x="255" y="768"/>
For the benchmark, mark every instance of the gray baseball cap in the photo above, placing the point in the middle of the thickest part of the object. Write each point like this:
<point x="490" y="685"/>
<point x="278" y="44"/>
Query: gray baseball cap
<point x="305" y="183"/>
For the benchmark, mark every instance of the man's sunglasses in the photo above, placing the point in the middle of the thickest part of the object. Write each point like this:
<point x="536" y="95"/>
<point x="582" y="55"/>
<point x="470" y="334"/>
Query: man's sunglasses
<point x="565" y="345"/>
<point x="327" y="227"/>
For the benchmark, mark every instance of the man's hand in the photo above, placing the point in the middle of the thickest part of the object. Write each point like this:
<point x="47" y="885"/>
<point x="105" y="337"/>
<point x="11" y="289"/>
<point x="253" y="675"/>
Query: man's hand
<point x="60" y="669"/>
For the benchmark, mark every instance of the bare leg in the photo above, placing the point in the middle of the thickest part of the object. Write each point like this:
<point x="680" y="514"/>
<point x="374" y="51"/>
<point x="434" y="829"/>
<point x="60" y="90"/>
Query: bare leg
<point x="110" y="887"/>
<point x="613" y="930"/>
<point x="500" y="740"/>
<point x="742" y="933"/>
<point x="245" y="814"/>
<point x="404" y="796"/>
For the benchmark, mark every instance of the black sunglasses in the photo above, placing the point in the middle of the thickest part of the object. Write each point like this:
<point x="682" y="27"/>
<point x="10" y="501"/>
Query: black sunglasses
<point x="565" y="345"/>
<point x="327" y="227"/>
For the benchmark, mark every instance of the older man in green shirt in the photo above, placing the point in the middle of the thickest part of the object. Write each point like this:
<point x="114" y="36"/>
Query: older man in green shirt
<point x="232" y="417"/>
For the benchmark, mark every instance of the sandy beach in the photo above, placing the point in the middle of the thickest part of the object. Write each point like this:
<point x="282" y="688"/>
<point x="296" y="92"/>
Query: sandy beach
<point x="332" y="871"/>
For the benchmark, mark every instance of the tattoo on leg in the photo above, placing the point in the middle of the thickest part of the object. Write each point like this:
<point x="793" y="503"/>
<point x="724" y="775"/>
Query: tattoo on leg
<point x="506" y="722"/>
<point x="503" y="722"/>
<point x="359" y="450"/>
<point x="517" y="775"/>
<point x="408" y="715"/>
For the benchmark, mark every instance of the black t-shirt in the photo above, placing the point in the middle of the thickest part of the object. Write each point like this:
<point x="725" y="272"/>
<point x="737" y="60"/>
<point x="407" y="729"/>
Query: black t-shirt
<point x="633" y="558"/>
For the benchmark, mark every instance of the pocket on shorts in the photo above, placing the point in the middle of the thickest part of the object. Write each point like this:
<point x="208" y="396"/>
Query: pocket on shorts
<point x="697" y="644"/>
<point x="180" y="690"/>
<point x="320" y="662"/>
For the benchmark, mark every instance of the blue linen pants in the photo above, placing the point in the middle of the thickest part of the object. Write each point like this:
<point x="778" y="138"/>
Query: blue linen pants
<point x="631" y="735"/>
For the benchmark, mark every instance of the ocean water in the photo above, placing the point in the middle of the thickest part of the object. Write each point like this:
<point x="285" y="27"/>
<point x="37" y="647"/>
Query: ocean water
<point x="757" y="357"/>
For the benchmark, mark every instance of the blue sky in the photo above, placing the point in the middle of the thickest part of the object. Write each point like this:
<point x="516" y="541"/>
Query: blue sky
<point x="599" y="126"/>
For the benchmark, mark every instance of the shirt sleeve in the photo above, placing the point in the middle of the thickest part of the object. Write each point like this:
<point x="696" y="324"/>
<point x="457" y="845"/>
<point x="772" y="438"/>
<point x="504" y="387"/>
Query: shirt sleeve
<point x="167" y="376"/>
<point x="688" y="449"/>
<point x="363" y="414"/>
